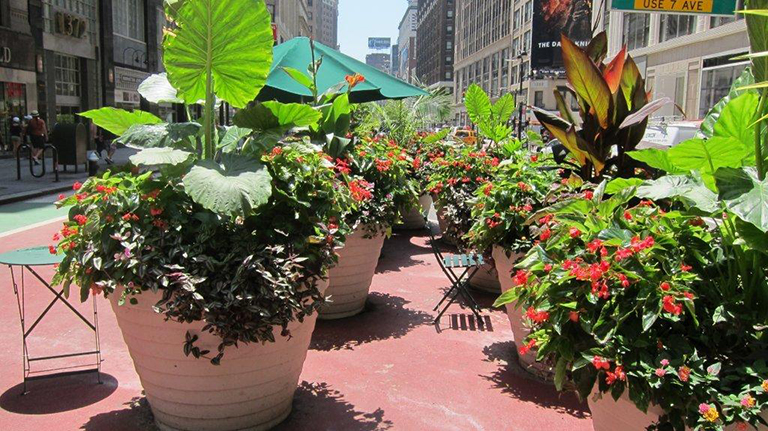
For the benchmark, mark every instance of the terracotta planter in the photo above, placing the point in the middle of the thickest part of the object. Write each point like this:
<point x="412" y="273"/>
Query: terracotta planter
<point x="610" y="415"/>
<point x="414" y="219"/>
<point x="486" y="279"/>
<point x="442" y="222"/>
<point x="350" y="280"/>
<point x="252" y="388"/>
<point x="505" y="265"/>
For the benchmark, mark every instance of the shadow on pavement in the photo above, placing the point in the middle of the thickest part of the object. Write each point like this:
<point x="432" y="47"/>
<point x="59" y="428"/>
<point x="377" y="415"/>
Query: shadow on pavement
<point x="138" y="416"/>
<point x="512" y="379"/>
<point x="385" y="317"/>
<point x="57" y="394"/>
<point x="319" y="407"/>
<point x="400" y="252"/>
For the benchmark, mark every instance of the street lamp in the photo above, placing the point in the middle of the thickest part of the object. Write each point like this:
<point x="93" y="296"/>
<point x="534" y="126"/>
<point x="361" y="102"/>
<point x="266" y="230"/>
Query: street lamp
<point x="520" y="94"/>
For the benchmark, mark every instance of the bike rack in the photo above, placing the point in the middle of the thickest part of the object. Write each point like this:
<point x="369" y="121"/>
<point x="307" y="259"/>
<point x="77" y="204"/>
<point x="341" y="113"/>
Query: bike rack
<point x="54" y="160"/>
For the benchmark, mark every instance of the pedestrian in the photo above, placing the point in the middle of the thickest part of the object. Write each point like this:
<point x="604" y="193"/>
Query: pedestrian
<point x="17" y="134"/>
<point x="38" y="135"/>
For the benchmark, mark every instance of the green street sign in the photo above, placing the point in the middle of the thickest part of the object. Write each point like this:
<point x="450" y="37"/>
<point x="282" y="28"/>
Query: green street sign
<point x="707" y="7"/>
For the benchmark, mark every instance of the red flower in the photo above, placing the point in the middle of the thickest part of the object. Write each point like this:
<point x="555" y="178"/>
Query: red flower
<point x="157" y="211"/>
<point x="536" y="316"/>
<point x="341" y="167"/>
<point x="523" y="350"/>
<point x="617" y="374"/>
<point x="574" y="316"/>
<point x="671" y="306"/>
<point x="545" y="234"/>
<point x="601" y="363"/>
<point x="623" y="253"/>
<point x="488" y="189"/>
<point x="683" y="373"/>
<point x="534" y="158"/>
<point x="80" y="219"/>
<point x="77" y="186"/>
<point x="548" y="267"/>
<point x="52" y="249"/>
<point x="521" y="277"/>
<point x="574" y="232"/>
<point x="627" y="215"/>
<point x="689" y="295"/>
<point x="685" y="268"/>
<point x="665" y="286"/>
<point x="383" y="165"/>
<point x="353" y="80"/>
<point x="624" y="280"/>
<point x="62" y="197"/>
<point x="277" y="151"/>
<point x="595" y="245"/>
<point x="360" y="190"/>
<point x="589" y="194"/>
<point x="416" y="163"/>
<point x="527" y="208"/>
<point x="523" y="186"/>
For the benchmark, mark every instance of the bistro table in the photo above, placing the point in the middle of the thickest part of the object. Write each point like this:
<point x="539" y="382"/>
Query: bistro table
<point x="26" y="260"/>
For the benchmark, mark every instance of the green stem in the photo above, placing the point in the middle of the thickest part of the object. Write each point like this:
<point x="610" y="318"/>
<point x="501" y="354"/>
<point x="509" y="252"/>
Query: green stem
<point x="759" y="135"/>
<point x="209" y="148"/>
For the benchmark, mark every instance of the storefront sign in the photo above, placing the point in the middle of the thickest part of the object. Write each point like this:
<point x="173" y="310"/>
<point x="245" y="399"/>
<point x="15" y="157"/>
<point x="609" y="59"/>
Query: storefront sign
<point x="127" y="85"/>
<point x="71" y="25"/>
<point x="709" y="7"/>
<point x="16" y="50"/>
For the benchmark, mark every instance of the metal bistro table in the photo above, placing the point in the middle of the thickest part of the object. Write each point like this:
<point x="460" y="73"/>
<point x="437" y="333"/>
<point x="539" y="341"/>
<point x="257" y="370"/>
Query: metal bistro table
<point x="27" y="259"/>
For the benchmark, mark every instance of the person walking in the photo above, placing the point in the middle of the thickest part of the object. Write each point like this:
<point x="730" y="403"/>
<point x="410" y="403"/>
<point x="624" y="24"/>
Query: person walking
<point x="17" y="134"/>
<point x="38" y="135"/>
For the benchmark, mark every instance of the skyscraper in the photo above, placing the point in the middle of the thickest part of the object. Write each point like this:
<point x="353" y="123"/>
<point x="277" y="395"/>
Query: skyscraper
<point x="325" y="19"/>
<point x="405" y="67"/>
<point x="379" y="61"/>
<point x="434" y="43"/>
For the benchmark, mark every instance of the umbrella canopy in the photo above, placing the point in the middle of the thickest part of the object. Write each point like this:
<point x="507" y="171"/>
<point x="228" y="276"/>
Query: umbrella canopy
<point x="296" y="53"/>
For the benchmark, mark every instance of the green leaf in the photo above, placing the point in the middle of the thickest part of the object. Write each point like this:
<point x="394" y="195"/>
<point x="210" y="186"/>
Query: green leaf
<point x="299" y="77"/>
<point x="560" y="370"/>
<point x="657" y="159"/>
<point x="710" y="155"/>
<point x="587" y="80"/>
<point x="757" y="28"/>
<point x="503" y="109"/>
<point x="753" y="237"/>
<point x="157" y="89"/>
<point x="508" y="297"/>
<point x="619" y="184"/>
<point x="160" y="157"/>
<point x="267" y="116"/>
<point x="736" y="119"/>
<point x="436" y="137"/>
<point x="174" y="135"/>
<point x="232" y="137"/>
<point x="478" y="104"/>
<point x="338" y="116"/>
<point x="117" y="121"/>
<point x="688" y="189"/>
<point x="745" y="195"/>
<point x="235" y="187"/>
<point x="231" y="40"/>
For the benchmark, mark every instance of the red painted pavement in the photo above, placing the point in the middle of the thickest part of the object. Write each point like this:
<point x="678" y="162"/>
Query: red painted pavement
<point x="388" y="368"/>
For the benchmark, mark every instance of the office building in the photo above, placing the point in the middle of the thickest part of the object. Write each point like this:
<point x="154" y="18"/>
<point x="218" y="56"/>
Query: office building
<point x="325" y="21"/>
<point x="405" y="67"/>
<point x="435" y="43"/>
<point x="291" y="18"/>
<point x="380" y="61"/>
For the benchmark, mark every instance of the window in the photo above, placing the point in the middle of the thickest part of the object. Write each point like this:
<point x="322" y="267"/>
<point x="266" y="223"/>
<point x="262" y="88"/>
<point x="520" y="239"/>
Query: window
<point x="636" y="27"/>
<point x="680" y="92"/>
<point x="716" y="83"/>
<point x="128" y="19"/>
<point x="528" y="11"/>
<point x="67" y="69"/>
<point x="673" y="26"/>
<point x="527" y="41"/>
<point x="538" y="99"/>
<point x="448" y="76"/>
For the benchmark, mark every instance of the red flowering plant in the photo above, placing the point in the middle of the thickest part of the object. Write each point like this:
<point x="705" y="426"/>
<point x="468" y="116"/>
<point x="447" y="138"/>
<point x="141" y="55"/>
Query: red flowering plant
<point x="128" y="233"/>
<point x="376" y="172"/>
<point x="620" y="298"/>
<point x="519" y="189"/>
<point x="425" y="150"/>
<point x="456" y="178"/>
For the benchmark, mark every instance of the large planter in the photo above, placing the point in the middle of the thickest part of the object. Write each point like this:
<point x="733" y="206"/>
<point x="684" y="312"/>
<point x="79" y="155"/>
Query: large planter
<point x="486" y="279"/>
<point x="351" y="279"/>
<point x="442" y="222"/>
<point x="252" y="389"/>
<point x="414" y="219"/>
<point x="505" y="266"/>
<point x="610" y="415"/>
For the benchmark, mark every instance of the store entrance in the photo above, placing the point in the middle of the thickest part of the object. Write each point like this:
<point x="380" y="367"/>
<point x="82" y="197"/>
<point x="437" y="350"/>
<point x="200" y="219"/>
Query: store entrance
<point x="13" y="103"/>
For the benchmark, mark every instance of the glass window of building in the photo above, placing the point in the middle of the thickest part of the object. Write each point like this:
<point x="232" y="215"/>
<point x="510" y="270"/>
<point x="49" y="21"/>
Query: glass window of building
<point x="673" y="26"/>
<point x="636" y="32"/>
<point x="86" y="9"/>
<point x="128" y="19"/>
<point x="538" y="99"/>
<point x="67" y="70"/>
<point x="717" y="76"/>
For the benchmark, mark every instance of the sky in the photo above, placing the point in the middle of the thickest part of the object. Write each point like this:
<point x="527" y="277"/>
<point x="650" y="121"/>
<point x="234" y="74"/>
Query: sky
<point x="361" y="19"/>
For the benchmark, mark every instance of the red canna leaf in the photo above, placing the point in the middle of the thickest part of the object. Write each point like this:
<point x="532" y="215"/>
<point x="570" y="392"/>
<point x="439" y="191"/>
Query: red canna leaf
<point x="587" y="80"/>
<point x="613" y="71"/>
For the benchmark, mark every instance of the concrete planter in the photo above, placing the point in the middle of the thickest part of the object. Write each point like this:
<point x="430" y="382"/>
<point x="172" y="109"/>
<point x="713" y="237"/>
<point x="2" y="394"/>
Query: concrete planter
<point x="486" y="279"/>
<point x="610" y="415"/>
<point x="351" y="279"/>
<point x="414" y="219"/>
<point x="252" y="388"/>
<point x="505" y="265"/>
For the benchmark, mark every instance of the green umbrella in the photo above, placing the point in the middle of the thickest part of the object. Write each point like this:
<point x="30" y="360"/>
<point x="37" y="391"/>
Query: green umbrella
<point x="297" y="54"/>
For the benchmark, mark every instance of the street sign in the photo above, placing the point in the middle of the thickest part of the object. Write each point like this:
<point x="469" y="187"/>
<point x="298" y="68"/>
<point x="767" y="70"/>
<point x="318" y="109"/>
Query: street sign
<point x="708" y="7"/>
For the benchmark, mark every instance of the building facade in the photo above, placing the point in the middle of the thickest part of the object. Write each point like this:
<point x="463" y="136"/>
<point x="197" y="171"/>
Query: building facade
<point x="435" y="43"/>
<point x="381" y="61"/>
<point x="687" y="58"/>
<point x="291" y="18"/>
<point x="405" y="67"/>
<point x="493" y="50"/>
<point x="395" y="60"/>
<point x="325" y="21"/>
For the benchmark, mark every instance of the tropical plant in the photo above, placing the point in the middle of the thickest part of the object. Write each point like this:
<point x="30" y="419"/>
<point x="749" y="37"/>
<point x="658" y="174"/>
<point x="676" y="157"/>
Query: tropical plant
<point x="613" y="110"/>
<point x="491" y="119"/>
<point x="232" y="224"/>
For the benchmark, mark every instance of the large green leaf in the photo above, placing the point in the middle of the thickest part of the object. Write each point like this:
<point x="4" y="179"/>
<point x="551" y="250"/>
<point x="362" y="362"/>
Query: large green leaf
<point x="160" y="157"/>
<point x="587" y="80"/>
<point x="657" y="159"/>
<point x="707" y="156"/>
<point x="157" y="89"/>
<point x="504" y="108"/>
<point x="337" y="117"/>
<point x="478" y="104"/>
<point x="619" y="184"/>
<point x="175" y="135"/>
<point x="231" y="137"/>
<point x="707" y="127"/>
<point x="744" y="194"/>
<point x="271" y="115"/>
<point x="686" y="188"/>
<point x="234" y="187"/>
<point x="117" y="121"/>
<point x="757" y="28"/>
<point x="230" y="38"/>
<point x="735" y="121"/>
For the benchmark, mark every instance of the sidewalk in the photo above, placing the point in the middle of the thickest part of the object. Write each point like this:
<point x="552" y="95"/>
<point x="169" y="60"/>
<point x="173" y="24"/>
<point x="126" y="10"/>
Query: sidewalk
<point x="12" y="190"/>
<point x="387" y="368"/>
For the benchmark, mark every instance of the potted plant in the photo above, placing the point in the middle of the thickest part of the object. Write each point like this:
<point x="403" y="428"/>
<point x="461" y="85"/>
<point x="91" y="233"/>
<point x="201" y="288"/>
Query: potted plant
<point x="518" y="190"/>
<point x="219" y="247"/>
<point x="376" y="172"/>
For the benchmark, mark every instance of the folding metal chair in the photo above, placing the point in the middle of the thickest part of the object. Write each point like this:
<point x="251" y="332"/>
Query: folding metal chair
<point x="467" y="266"/>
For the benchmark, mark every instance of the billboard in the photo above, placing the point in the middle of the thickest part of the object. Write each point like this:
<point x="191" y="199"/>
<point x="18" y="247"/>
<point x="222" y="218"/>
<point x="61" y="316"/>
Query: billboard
<point x="551" y="18"/>
<point x="379" y="43"/>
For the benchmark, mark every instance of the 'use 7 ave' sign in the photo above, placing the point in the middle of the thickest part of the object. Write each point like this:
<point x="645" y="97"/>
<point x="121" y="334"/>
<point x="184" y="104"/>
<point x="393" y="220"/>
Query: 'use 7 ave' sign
<point x="710" y="7"/>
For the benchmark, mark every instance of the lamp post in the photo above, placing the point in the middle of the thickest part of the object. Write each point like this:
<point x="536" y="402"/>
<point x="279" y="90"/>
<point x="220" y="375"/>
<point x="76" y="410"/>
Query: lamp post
<point x="520" y="94"/>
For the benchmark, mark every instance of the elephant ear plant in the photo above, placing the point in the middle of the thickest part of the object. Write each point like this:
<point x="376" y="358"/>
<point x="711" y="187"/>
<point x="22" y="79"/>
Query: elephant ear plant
<point x="234" y="225"/>
<point x="613" y="110"/>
